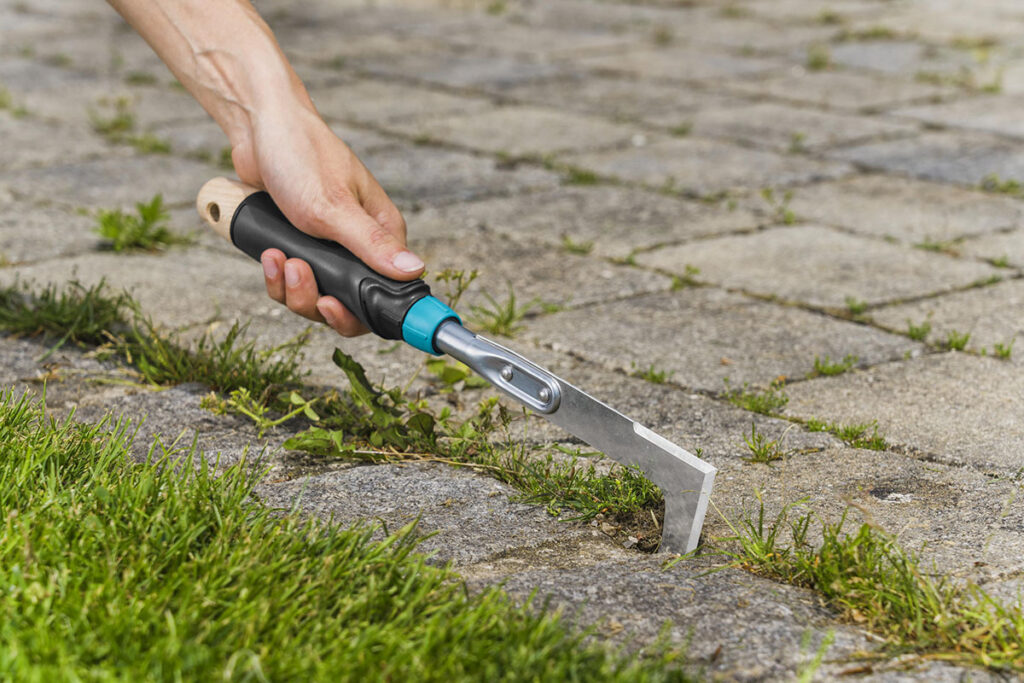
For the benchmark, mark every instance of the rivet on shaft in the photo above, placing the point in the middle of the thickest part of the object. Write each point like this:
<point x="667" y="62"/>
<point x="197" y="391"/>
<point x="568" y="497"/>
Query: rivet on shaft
<point x="544" y="394"/>
<point x="506" y="373"/>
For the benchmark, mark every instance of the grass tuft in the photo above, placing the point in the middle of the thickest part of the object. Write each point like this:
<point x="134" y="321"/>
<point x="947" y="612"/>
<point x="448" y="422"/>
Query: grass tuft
<point x="919" y="332"/>
<point x="957" y="341"/>
<point x="762" y="450"/>
<point x="824" y="367"/>
<point x="502" y="318"/>
<point x="861" y="435"/>
<point x="118" y="571"/>
<point x="652" y="374"/>
<point x="146" y="231"/>
<point x="768" y="402"/>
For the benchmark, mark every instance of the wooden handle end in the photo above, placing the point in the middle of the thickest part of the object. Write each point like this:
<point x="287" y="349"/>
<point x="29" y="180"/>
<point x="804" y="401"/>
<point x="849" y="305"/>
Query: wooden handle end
<point x="217" y="201"/>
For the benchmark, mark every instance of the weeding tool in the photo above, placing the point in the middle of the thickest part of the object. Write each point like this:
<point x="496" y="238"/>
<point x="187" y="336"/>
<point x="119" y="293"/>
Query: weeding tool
<point x="250" y="220"/>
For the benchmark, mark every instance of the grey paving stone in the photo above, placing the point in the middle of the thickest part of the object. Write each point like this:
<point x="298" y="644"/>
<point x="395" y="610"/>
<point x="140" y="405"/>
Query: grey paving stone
<point x="964" y="158"/>
<point x="112" y="182"/>
<point x="1005" y="247"/>
<point x="537" y="41"/>
<point x="461" y="71"/>
<point x="320" y="44"/>
<point x="381" y="102"/>
<point x="553" y="276"/>
<point x="904" y="57"/>
<point x="839" y="89"/>
<point x="680" y="63"/>
<point x="473" y="516"/>
<point x="615" y="221"/>
<point x="710" y="27"/>
<point x="956" y="409"/>
<point x="701" y="167"/>
<point x="29" y="142"/>
<point x="818" y="266"/>
<point x="704" y="335"/>
<point x="783" y="128"/>
<point x="31" y="233"/>
<point x="419" y="174"/>
<point x="991" y="114"/>
<point x="946" y="22"/>
<point x="992" y="315"/>
<point x="633" y="597"/>
<point x="801" y="10"/>
<point x="911" y="211"/>
<point x="523" y="130"/>
<point x="619" y="98"/>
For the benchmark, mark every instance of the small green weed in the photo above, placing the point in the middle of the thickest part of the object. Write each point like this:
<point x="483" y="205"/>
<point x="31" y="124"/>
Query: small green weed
<point x="732" y="11"/>
<point x="502" y="318"/>
<point x="797" y="142"/>
<point x="1004" y="351"/>
<point x="779" y="205"/>
<point x="830" y="18"/>
<point x="451" y="374"/>
<point x="74" y="313"/>
<point x="574" y="247"/>
<point x="876" y="584"/>
<point x="762" y="450"/>
<point x="241" y="402"/>
<point x="119" y="127"/>
<point x="957" y="341"/>
<point x="580" y="176"/>
<point x="140" y="78"/>
<point x="919" y="332"/>
<point x="6" y="101"/>
<point x="864" y="435"/>
<point x="877" y="32"/>
<point x="1000" y="261"/>
<point x="940" y="246"/>
<point x="819" y="57"/>
<point x="682" y="130"/>
<point x="456" y="283"/>
<point x="497" y="7"/>
<point x="993" y="183"/>
<point x="146" y="231"/>
<point x="825" y="366"/>
<point x="768" y="402"/>
<point x="652" y="374"/>
<point x="662" y="36"/>
<point x="856" y="306"/>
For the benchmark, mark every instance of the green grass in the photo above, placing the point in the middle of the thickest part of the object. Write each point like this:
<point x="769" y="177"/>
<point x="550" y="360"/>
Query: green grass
<point x="682" y="130"/>
<point x="501" y="317"/>
<point x="762" y="449"/>
<point x="574" y="247"/>
<point x="118" y="571"/>
<point x="819" y="57"/>
<point x="993" y="183"/>
<point x="878" y="586"/>
<point x="779" y="205"/>
<point x="118" y="126"/>
<point x="145" y="231"/>
<point x="770" y="401"/>
<point x="74" y="313"/>
<point x="858" y="435"/>
<point x="825" y="367"/>
<point x="580" y="176"/>
<point x="140" y="78"/>
<point x="1005" y="351"/>
<point x="856" y="306"/>
<point x="919" y="332"/>
<point x="652" y="374"/>
<point x="957" y="341"/>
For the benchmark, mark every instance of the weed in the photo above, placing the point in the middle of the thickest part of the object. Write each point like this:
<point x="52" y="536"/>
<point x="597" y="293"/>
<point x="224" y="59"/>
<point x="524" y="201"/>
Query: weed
<point x="856" y="306"/>
<point x="768" y="402"/>
<point x="779" y="206"/>
<point x="451" y="374"/>
<point x="497" y="7"/>
<point x="993" y="183"/>
<point x="682" y="130"/>
<point x="502" y="318"/>
<point x="60" y="60"/>
<point x="830" y="18"/>
<point x="957" y="341"/>
<point x="1004" y="351"/>
<point x="6" y="101"/>
<point x="734" y="12"/>
<point x="147" y="143"/>
<point x="146" y="231"/>
<point x="919" y="332"/>
<point x="574" y="247"/>
<point x="825" y="367"/>
<point x="993" y="279"/>
<point x="241" y="402"/>
<point x="338" y="62"/>
<point x="876" y="584"/>
<point x="652" y="374"/>
<point x="858" y="435"/>
<point x="761" y="449"/>
<point x="1001" y="261"/>
<point x="224" y="159"/>
<point x="140" y="78"/>
<point x="119" y="128"/>
<point x="948" y="247"/>
<point x="456" y="283"/>
<point x="173" y="570"/>
<point x="687" y="279"/>
<point x="75" y="313"/>
<point x="819" y="57"/>
<point x="797" y="142"/>
<point x="877" y="32"/>
<point x="662" y="36"/>
<point x="580" y="176"/>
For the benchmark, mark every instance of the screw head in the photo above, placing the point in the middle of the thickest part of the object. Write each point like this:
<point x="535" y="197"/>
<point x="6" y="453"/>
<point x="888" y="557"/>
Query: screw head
<point x="544" y="394"/>
<point x="506" y="373"/>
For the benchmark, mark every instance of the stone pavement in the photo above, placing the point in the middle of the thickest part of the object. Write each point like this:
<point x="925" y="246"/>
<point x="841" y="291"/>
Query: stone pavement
<point x="650" y="130"/>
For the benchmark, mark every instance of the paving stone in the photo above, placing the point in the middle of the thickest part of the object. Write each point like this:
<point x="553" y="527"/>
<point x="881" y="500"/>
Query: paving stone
<point x="615" y="221"/>
<point x="911" y="211"/>
<point x="840" y="89"/>
<point x="903" y="57"/>
<point x="320" y="44"/>
<point x="818" y="266"/>
<point x="32" y="233"/>
<point x="461" y="71"/>
<point x="710" y="27"/>
<point x="419" y="174"/>
<point x="696" y="166"/>
<point x="703" y="336"/>
<point x="1005" y="247"/>
<point x="622" y="99"/>
<point x="957" y="409"/>
<point x="537" y="41"/>
<point x="473" y="516"/>
<point x="801" y="10"/>
<point x="946" y="22"/>
<point x="524" y="130"/>
<point x="783" y="128"/>
<point x="552" y="276"/>
<point x="992" y="315"/>
<point x="29" y="142"/>
<point x="964" y="158"/>
<point x="992" y="114"/>
<point x="679" y="63"/>
<point x="633" y="597"/>
<point x="380" y="102"/>
<point x="108" y="183"/>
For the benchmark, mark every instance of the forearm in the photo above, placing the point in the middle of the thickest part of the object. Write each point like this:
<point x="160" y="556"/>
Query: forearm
<point x="224" y="54"/>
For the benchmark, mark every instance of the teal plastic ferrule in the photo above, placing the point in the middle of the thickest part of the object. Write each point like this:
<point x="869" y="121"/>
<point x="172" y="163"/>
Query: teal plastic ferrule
<point x="422" y="320"/>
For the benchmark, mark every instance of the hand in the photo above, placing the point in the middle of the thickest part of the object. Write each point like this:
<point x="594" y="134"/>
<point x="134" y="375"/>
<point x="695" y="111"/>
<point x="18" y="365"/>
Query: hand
<point x="327" y="192"/>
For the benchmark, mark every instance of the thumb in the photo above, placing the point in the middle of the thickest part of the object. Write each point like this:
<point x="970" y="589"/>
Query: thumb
<point x="371" y="242"/>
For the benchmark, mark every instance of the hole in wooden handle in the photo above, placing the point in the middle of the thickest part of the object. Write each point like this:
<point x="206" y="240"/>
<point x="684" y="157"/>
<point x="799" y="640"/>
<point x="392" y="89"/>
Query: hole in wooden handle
<point x="213" y="209"/>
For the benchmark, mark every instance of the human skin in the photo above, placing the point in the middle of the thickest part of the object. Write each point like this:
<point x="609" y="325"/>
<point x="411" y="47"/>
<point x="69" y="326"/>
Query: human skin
<point x="228" y="59"/>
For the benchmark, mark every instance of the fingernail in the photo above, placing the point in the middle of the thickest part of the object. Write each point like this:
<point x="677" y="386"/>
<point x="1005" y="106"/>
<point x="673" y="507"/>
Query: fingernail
<point x="291" y="274"/>
<point x="269" y="267"/>
<point x="325" y="312"/>
<point x="407" y="261"/>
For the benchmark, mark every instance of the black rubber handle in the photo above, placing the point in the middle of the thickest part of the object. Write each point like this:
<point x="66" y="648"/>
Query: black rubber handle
<point x="379" y="302"/>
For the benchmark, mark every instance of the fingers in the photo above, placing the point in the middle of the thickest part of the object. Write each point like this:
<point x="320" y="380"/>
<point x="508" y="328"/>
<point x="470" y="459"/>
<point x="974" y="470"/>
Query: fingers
<point x="291" y="282"/>
<point x="374" y="244"/>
